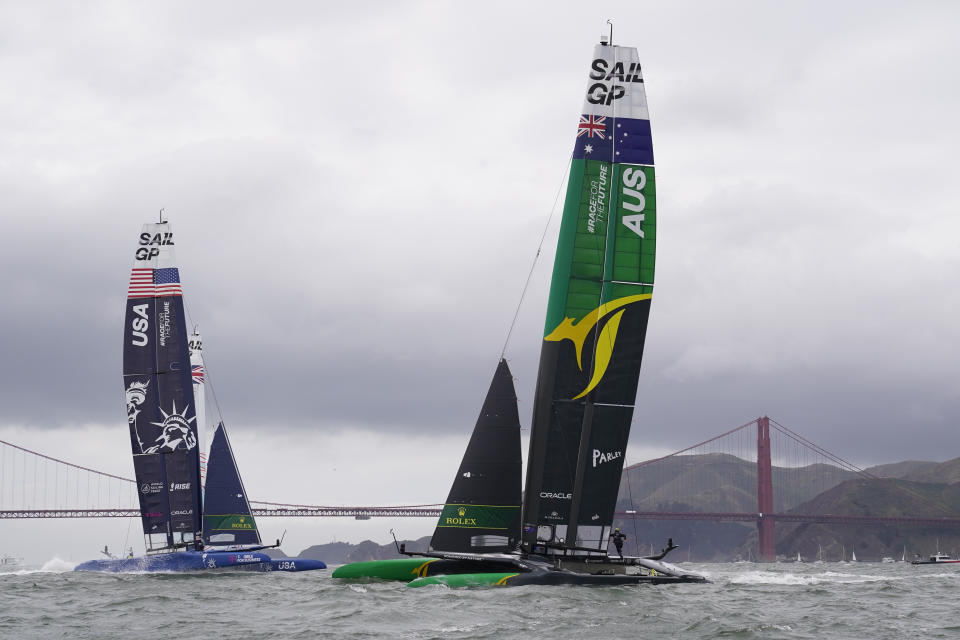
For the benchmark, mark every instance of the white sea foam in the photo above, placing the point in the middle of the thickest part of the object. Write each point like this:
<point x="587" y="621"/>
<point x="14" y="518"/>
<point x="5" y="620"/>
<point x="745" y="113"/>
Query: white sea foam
<point x="826" y="577"/>
<point x="56" y="565"/>
<point x="53" y="565"/>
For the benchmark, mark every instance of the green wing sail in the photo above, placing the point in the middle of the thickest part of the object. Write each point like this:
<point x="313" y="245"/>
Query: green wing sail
<point x="597" y="313"/>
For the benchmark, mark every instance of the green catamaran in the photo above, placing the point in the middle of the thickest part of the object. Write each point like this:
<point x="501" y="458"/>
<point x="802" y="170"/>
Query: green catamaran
<point x="586" y="389"/>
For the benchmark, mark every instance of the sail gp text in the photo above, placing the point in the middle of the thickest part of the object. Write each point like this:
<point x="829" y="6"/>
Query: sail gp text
<point x="149" y="244"/>
<point x="604" y="92"/>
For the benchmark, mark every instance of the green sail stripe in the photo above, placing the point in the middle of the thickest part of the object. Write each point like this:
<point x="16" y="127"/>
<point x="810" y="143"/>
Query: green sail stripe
<point x="229" y="522"/>
<point x="630" y="256"/>
<point x="472" y="516"/>
<point x="589" y="251"/>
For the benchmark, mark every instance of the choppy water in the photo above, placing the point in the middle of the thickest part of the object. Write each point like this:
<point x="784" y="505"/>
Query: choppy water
<point x="862" y="600"/>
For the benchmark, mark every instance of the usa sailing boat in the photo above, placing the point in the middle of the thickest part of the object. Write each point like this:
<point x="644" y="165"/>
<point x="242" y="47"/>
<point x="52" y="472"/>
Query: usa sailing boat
<point x="589" y="368"/>
<point x="182" y="532"/>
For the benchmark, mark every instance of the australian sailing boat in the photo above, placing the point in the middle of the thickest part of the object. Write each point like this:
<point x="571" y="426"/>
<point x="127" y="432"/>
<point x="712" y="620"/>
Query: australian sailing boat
<point x="182" y="532"/>
<point x="589" y="367"/>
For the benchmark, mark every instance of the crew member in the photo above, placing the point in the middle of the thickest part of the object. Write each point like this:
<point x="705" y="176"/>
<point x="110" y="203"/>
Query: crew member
<point x="618" y="539"/>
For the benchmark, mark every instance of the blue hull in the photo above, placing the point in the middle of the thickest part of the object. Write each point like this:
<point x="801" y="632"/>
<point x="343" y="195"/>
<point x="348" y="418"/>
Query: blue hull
<point x="296" y="564"/>
<point x="200" y="561"/>
<point x="180" y="561"/>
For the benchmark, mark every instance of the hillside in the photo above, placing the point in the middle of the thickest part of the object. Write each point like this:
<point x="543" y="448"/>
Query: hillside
<point x="948" y="472"/>
<point x="344" y="552"/>
<point x="724" y="483"/>
<point x="730" y="486"/>
<point x="889" y="496"/>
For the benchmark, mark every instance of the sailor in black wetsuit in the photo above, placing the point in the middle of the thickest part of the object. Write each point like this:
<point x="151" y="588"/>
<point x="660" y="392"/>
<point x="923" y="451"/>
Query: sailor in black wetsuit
<point x="618" y="539"/>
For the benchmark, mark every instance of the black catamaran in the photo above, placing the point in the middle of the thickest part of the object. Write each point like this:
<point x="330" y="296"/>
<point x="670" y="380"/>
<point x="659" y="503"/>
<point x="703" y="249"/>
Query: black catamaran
<point x="586" y="389"/>
<point x="181" y="533"/>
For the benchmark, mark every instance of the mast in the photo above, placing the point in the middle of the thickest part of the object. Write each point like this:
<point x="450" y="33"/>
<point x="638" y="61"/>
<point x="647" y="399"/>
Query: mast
<point x="161" y="412"/>
<point x="198" y="374"/>
<point x="597" y="314"/>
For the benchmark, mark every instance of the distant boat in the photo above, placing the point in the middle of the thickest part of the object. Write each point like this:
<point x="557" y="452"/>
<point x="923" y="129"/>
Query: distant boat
<point x="853" y="555"/>
<point x="887" y="560"/>
<point x="10" y="561"/>
<point x="799" y="559"/>
<point x="162" y="418"/>
<point x="937" y="558"/>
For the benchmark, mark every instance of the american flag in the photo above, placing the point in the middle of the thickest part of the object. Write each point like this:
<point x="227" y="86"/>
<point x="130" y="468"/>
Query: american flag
<point x="141" y="284"/>
<point x="168" y="282"/>
<point x="154" y="283"/>
<point x="591" y="125"/>
<point x="198" y="374"/>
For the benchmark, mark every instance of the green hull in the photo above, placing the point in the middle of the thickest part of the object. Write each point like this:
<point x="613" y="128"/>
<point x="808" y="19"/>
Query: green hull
<point x="465" y="580"/>
<point x="407" y="569"/>
<point x="404" y="569"/>
<point x="544" y="577"/>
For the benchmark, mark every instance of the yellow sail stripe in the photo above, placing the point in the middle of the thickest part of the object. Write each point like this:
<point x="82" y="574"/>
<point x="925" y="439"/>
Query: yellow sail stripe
<point x="608" y="335"/>
<point x="577" y="332"/>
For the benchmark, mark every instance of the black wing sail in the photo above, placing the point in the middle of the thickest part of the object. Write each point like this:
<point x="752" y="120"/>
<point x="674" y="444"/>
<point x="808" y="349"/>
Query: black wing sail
<point x="227" y="519"/>
<point x="159" y="392"/>
<point x="482" y="512"/>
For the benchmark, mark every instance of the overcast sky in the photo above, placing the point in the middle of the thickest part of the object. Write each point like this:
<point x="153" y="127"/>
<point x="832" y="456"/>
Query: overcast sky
<point x="358" y="193"/>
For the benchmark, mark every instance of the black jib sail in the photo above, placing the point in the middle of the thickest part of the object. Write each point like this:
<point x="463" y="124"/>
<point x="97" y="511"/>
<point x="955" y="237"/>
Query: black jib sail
<point x="160" y="405"/>
<point x="482" y="512"/>
<point x="597" y="314"/>
<point x="227" y="519"/>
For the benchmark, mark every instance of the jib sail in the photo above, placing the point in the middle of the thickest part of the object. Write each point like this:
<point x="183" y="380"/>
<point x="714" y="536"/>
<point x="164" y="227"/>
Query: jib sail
<point x="597" y="313"/>
<point x="160" y="405"/>
<point x="482" y="512"/>
<point x="227" y="519"/>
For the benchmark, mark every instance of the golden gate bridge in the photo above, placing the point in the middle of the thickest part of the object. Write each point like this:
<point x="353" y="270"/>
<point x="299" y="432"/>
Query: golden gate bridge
<point x="761" y="463"/>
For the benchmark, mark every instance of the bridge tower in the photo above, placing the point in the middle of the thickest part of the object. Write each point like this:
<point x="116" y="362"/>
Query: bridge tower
<point x="765" y="524"/>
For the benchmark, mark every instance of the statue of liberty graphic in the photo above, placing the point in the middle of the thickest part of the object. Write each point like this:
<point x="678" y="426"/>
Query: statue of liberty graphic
<point x="176" y="431"/>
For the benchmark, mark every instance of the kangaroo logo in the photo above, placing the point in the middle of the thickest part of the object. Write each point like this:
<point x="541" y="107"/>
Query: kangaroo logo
<point x="577" y="332"/>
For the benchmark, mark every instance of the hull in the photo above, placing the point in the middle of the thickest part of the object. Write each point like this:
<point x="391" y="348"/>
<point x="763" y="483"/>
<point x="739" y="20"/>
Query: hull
<point x="199" y="561"/>
<point x="935" y="562"/>
<point x="296" y="564"/>
<point x="506" y="571"/>
<point x="545" y="577"/>
<point x="179" y="561"/>
<point x="406" y="569"/>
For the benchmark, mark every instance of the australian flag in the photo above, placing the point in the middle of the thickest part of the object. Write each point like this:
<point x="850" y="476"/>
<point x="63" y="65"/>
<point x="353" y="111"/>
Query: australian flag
<point x="614" y="140"/>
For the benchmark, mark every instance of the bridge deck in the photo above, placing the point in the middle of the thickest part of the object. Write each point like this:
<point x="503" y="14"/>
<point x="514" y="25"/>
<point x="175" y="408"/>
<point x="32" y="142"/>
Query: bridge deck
<point x="428" y="512"/>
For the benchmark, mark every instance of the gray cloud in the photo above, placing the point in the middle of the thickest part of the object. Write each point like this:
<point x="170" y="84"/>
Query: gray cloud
<point x="358" y="194"/>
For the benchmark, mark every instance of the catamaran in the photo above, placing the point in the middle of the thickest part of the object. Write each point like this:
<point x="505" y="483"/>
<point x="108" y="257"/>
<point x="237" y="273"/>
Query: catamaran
<point x="183" y="529"/>
<point x="596" y="322"/>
